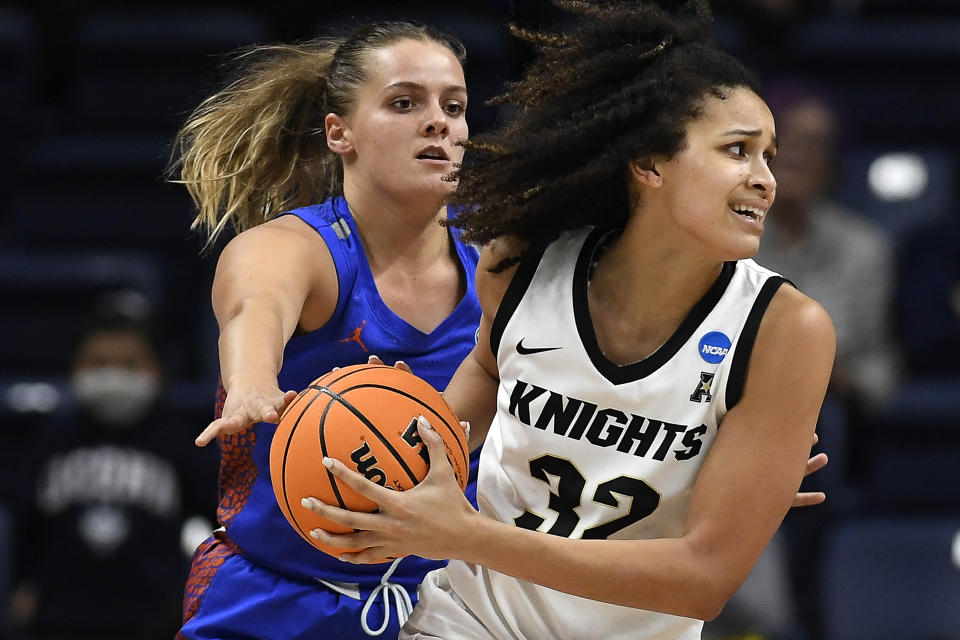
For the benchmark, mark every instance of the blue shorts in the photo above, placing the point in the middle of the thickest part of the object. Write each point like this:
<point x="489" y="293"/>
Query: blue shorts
<point x="228" y="597"/>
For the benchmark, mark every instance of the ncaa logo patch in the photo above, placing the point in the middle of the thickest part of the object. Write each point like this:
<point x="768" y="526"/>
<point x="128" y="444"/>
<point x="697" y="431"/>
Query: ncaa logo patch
<point x="714" y="347"/>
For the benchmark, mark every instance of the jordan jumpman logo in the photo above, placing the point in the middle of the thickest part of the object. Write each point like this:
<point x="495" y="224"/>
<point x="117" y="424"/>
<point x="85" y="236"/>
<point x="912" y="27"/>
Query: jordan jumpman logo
<point x="355" y="336"/>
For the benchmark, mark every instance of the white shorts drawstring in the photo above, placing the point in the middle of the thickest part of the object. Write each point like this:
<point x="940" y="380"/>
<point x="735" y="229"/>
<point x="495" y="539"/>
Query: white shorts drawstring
<point x="402" y="602"/>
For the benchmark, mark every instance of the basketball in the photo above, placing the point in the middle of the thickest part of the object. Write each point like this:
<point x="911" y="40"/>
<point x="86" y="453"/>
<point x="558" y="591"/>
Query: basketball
<point x="366" y="417"/>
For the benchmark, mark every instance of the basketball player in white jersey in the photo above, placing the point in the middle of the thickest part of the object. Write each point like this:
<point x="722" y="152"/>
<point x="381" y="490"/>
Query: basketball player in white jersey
<point x="655" y="391"/>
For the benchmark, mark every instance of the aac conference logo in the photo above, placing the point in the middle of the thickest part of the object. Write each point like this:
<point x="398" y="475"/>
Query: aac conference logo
<point x="714" y="347"/>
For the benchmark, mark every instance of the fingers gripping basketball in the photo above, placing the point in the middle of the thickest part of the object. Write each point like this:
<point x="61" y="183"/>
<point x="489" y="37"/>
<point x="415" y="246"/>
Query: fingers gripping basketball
<point x="366" y="417"/>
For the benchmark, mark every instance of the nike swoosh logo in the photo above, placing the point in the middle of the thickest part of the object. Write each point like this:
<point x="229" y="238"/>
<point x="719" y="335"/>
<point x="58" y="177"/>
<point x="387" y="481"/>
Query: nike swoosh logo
<point x="526" y="351"/>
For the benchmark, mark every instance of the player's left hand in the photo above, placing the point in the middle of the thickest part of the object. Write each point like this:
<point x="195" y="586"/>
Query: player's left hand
<point x="427" y="520"/>
<point x="375" y="359"/>
<point x="810" y="498"/>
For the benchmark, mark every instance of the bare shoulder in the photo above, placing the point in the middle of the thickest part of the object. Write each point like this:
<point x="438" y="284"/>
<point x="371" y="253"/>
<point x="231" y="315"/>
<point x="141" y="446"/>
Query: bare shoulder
<point x="789" y="366"/>
<point x="283" y="258"/>
<point x="491" y="283"/>
<point x="797" y="326"/>
<point x="278" y="239"/>
<point x="284" y="248"/>
<point x="798" y="314"/>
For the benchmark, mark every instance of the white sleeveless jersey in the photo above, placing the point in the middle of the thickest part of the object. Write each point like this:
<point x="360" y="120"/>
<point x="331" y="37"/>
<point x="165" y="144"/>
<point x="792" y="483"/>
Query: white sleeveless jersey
<point x="584" y="448"/>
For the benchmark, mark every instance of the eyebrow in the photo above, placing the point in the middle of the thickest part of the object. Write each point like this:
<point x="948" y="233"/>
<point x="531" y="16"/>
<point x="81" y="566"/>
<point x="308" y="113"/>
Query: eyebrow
<point x="751" y="133"/>
<point x="403" y="84"/>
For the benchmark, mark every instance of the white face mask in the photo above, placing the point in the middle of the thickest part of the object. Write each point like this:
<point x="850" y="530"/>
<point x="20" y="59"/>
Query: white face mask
<point x="116" y="396"/>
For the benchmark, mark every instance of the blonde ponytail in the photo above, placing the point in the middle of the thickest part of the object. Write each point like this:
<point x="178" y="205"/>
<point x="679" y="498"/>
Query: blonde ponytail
<point x="257" y="147"/>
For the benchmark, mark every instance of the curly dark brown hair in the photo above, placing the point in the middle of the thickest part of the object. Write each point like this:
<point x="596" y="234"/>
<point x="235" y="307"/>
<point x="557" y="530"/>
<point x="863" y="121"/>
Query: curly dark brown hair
<point x="623" y="86"/>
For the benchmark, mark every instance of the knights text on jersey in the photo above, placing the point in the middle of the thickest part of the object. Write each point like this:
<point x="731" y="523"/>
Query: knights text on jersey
<point x="584" y="448"/>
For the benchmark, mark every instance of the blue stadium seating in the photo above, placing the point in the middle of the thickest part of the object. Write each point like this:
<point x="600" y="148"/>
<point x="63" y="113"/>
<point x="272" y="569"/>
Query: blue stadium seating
<point x="925" y="309"/>
<point x="889" y="73"/>
<point x="931" y="400"/>
<point x="47" y="296"/>
<point x="6" y="560"/>
<point x="19" y="66"/>
<point x="892" y="579"/>
<point x="914" y="450"/>
<point x="936" y="197"/>
<point x="146" y="68"/>
<point x="85" y="191"/>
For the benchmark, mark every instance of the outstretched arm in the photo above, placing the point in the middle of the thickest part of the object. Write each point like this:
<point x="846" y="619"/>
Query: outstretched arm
<point x="267" y="279"/>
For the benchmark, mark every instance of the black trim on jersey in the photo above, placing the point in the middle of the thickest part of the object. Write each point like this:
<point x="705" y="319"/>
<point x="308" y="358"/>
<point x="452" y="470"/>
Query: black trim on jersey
<point x="517" y="288"/>
<point x="748" y="335"/>
<point x="622" y="374"/>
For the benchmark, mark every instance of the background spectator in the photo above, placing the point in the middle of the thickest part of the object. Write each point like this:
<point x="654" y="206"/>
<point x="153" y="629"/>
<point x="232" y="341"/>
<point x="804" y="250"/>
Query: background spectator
<point x="109" y="492"/>
<point x="835" y="255"/>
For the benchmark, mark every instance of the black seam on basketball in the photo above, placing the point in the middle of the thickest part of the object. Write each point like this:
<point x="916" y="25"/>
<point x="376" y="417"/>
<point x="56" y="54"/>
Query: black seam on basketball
<point x="292" y="406"/>
<point x="361" y="369"/>
<point x="417" y="400"/>
<point x="373" y="429"/>
<point x="283" y="468"/>
<point x="321" y="433"/>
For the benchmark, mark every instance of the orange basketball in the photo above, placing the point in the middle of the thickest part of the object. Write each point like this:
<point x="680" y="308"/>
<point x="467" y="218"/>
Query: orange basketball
<point x="366" y="417"/>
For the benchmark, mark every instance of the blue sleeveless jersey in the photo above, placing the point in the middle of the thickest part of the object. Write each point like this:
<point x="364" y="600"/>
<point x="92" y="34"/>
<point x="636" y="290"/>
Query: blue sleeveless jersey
<point x="362" y="325"/>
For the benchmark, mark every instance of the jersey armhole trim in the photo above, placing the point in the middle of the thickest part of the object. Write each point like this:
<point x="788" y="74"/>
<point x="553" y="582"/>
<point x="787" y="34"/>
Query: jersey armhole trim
<point x="334" y="236"/>
<point x="741" y="358"/>
<point x="517" y="288"/>
<point x="346" y="268"/>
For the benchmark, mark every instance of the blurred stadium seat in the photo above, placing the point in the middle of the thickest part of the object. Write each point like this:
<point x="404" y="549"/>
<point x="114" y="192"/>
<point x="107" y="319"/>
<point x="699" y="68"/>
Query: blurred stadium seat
<point x="892" y="579"/>
<point x="931" y="400"/>
<point x="899" y="8"/>
<point x="913" y="450"/>
<point x="47" y="295"/>
<point x="86" y="194"/>
<point x="85" y="191"/>
<point x="6" y="560"/>
<point x="146" y="68"/>
<point x="890" y="74"/>
<point x="913" y="478"/>
<point x="20" y="53"/>
<point x="900" y="188"/>
<point x="927" y="307"/>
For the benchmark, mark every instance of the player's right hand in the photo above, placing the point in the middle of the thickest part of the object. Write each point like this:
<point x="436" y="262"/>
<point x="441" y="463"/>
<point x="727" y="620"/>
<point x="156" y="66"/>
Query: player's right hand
<point x="243" y="409"/>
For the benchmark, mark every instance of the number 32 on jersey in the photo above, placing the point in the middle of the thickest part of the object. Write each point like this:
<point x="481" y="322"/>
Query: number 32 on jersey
<point x="570" y="484"/>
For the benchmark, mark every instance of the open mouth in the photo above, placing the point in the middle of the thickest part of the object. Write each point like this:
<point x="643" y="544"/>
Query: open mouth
<point x="753" y="213"/>
<point x="432" y="153"/>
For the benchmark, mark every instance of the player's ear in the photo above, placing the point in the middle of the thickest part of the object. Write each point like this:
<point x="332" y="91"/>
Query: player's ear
<point x="644" y="171"/>
<point x="339" y="136"/>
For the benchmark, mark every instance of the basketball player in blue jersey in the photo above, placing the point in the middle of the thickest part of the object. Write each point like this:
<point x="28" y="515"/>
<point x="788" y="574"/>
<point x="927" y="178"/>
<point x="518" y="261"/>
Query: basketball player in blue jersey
<point x="654" y="390"/>
<point x="368" y="127"/>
